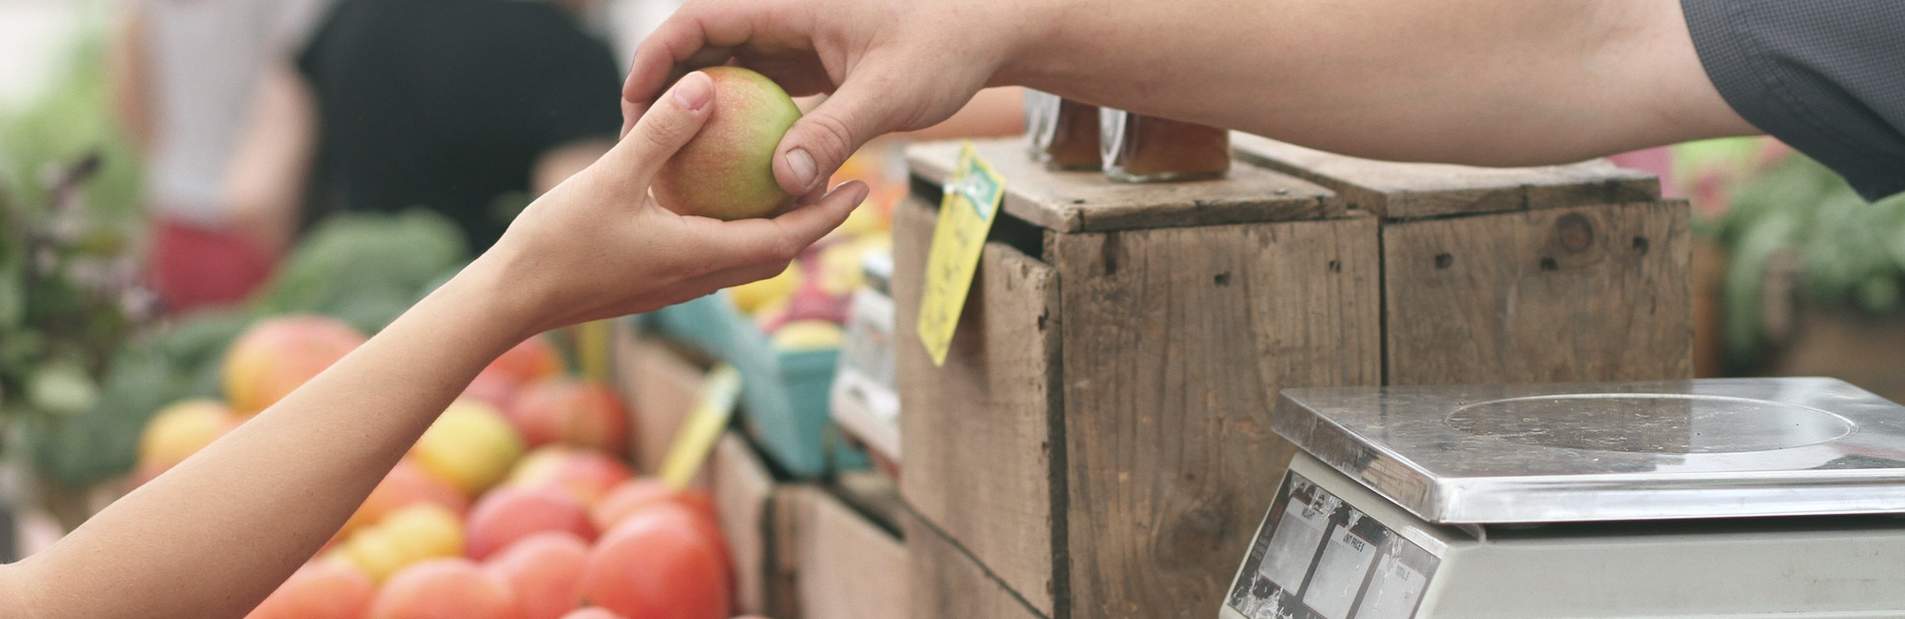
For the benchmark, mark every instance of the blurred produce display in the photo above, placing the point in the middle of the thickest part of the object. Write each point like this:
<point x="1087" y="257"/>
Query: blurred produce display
<point x="1793" y="232"/>
<point x="515" y="503"/>
<point x="68" y="219"/>
<point x="359" y="270"/>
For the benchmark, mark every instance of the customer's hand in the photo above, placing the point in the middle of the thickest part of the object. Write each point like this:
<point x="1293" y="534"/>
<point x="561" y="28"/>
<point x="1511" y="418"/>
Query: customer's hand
<point x="890" y="66"/>
<point x="598" y="246"/>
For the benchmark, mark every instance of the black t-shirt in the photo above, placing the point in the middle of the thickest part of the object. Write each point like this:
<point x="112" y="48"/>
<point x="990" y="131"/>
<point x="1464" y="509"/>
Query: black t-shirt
<point x="448" y="103"/>
<point x="1825" y="76"/>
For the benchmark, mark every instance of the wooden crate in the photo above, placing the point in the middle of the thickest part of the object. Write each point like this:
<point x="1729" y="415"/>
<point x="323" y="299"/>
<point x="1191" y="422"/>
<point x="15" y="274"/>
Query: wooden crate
<point x="799" y="552"/>
<point x="845" y="565"/>
<point x="1546" y="274"/>
<point x="1098" y="439"/>
<point x="947" y="582"/>
<point x="754" y="510"/>
<point x="659" y="385"/>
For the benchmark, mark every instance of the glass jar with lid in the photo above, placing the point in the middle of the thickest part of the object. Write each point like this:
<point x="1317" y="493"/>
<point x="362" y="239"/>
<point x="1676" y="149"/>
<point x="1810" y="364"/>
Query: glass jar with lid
<point x="1142" y="149"/>
<point x="1063" y="132"/>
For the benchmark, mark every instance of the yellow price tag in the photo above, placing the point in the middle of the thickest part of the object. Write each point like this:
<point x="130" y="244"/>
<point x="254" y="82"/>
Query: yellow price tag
<point x="703" y="426"/>
<point x="966" y="213"/>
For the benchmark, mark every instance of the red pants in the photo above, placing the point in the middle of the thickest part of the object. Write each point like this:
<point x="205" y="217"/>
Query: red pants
<point x="194" y="266"/>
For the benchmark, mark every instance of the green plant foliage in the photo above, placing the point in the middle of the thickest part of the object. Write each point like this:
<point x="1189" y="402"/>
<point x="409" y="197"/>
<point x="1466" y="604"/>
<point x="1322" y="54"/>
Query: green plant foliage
<point x="352" y="262"/>
<point x="365" y="269"/>
<point x="78" y="374"/>
<point x="69" y="193"/>
<point x="1849" y="253"/>
<point x="177" y="362"/>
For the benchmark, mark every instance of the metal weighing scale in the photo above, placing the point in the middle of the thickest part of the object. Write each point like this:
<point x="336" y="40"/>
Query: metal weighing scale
<point x="1710" y="498"/>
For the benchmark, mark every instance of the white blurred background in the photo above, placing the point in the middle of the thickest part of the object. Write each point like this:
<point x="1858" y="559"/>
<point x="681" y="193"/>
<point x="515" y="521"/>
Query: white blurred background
<point x="31" y="32"/>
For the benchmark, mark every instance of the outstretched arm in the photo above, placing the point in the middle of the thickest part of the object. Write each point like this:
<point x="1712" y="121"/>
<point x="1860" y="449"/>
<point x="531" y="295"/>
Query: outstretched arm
<point x="1464" y="81"/>
<point x="214" y="535"/>
<point x="1486" y="82"/>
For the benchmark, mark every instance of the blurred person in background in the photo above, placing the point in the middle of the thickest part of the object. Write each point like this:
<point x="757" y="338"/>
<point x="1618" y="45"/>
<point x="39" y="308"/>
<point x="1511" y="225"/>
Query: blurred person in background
<point x="466" y="107"/>
<point x="182" y="71"/>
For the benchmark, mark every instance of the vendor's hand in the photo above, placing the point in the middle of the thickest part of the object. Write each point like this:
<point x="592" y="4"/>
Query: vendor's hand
<point x="598" y="246"/>
<point x="890" y="66"/>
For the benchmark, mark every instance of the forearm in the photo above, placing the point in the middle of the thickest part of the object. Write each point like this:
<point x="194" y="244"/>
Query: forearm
<point x="1473" y="81"/>
<point x="265" y="178"/>
<point x="992" y="112"/>
<point x="216" y="534"/>
<point x="131" y="92"/>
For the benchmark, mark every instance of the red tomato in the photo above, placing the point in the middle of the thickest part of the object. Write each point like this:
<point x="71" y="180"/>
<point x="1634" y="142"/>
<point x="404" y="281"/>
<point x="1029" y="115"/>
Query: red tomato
<point x="639" y="495"/>
<point x="506" y="515"/>
<point x="319" y="590"/>
<point x="545" y="571"/>
<point x="634" y="495"/>
<point x="592" y="612"/>
<point x="571" y="412"/>
<point x="534" y="359"/>
<point x="658" y="564"/>
<point x="445" y="589"/>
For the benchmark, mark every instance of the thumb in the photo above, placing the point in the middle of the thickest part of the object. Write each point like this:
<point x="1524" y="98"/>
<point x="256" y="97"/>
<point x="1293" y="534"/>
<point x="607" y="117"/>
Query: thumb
<point x="664" y="128"/>
<point x="823" y="139"/>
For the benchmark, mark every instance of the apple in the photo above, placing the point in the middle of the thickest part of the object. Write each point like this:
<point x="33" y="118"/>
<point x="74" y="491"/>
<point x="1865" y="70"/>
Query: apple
<point x="507" y="515"/>
<point x="655" y="565"/>
<point x="180" y="430"/>
<point x="322" y="589"/>
<point x="585" y="474"/>
<point x="445" y="589"/>
<point x="592" y="612"/>
<point x="412" y="534"/>
<point x="573" y="412"/>
<point x="635" y="495"/>
<point x="727" y="170"/>
<point x="545" y="572"/>
<point x="407" y="484"/>
<point x="809" y="335"/>
<point x="531" y="360"/>
<point x="471" y="446"/>
<point x="278" y="355"/>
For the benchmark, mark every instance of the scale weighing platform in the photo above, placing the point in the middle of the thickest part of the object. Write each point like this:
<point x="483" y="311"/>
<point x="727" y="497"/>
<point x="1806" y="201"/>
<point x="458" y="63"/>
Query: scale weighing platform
<point x="1708" y="498"/>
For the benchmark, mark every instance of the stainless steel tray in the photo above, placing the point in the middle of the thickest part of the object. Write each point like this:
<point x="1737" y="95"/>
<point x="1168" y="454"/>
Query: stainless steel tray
<point x="1721" y="448"/>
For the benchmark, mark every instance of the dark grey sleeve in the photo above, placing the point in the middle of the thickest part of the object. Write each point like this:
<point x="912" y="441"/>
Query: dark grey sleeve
<point x="1825" y="76"/>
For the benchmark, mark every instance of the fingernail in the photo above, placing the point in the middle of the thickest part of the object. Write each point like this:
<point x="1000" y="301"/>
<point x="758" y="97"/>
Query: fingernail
<point x="802" y="165"/>
<point x="860" y="191"/>
<point x="694" y="90"/>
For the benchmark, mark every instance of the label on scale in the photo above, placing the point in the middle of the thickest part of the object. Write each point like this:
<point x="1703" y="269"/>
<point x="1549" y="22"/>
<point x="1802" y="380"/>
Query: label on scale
<point x="1293" y="543"/>
<point x="1395" y="590"/>
<point x="1339" y="574"/>
<point x="1316" y="557"/>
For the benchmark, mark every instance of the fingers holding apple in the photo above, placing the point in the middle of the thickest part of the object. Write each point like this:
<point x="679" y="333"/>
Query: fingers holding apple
<point x="597" y="246"/>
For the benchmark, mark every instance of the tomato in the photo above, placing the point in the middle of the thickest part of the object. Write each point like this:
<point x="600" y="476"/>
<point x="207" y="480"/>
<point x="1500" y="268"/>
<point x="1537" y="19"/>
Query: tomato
<point x="631" y="496"/>
<point x="445" y="589"/>
<point x="545" y="571"/>
<point x="319" y="590"/>
<point x="658" y="564"/>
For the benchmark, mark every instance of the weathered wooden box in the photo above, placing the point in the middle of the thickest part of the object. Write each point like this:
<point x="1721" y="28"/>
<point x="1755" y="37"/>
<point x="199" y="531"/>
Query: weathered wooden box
<point x="1098" y="440"/>
<point x="1547" y="274"/>
<point x="847" y="564"/>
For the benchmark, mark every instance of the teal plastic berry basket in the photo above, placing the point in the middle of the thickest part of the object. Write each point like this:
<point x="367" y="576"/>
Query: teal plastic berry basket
<point x="783" y="393"/>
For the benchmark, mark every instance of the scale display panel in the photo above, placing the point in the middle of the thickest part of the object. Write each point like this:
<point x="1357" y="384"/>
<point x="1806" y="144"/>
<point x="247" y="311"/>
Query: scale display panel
<point x="1317" y="557"/>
